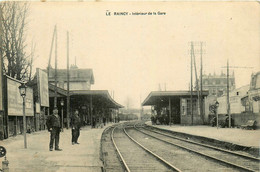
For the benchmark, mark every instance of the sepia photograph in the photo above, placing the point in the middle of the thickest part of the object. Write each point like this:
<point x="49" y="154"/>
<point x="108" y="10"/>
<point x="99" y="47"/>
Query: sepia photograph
<point x="120" y="86"/>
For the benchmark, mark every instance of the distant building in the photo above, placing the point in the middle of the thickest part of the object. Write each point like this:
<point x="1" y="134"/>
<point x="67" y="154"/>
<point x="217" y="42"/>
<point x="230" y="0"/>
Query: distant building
<point x="217" y="87"/>
<point x="254" y="92"/>
<point x="217" y="84"/>
<point x="236" y="96"/>
<point x="79" y="79"/>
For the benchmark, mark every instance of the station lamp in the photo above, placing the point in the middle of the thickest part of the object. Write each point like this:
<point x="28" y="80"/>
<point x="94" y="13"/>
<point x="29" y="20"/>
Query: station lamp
<point x="22" y="90"/>
<point x="216" y="111"/>
<point x="62" y="104"/>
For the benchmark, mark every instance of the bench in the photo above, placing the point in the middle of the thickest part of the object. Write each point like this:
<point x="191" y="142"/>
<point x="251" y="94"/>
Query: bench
<point x="251" y="124"/>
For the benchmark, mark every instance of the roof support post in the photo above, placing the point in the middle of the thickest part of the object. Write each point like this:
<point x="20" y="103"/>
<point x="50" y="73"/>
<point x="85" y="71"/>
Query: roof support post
<point x="91" y="111"/>
<point x="68" y="82"/>
<point x="170" y="111"/>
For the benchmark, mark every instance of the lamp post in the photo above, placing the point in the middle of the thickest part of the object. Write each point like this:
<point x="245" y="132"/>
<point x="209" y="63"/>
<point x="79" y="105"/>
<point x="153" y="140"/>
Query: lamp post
<point x="22" y="89"/>
<point x="216" y="105"/>
<point x="62" y="104"/>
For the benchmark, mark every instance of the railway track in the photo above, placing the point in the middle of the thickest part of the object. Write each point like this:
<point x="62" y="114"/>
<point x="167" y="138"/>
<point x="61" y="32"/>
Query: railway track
<point x="111" y="162"/>
<point x="231" y="159"/>
<point x="132" y="148"/>
<point x="136" y="157"/>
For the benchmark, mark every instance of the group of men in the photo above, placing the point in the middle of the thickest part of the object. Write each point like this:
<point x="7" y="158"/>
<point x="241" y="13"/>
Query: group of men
<point x="54" y="127"/>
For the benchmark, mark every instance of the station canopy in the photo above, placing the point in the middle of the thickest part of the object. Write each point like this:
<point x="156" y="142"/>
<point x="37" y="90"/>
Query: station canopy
<point x="162" y="97"/>
<point x="99" y="97"/>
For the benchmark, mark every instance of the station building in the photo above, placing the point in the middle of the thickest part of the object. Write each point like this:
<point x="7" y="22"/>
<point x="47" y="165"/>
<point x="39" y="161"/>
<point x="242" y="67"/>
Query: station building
<point x="175" y="106"/>
<point x="95" y="106"/>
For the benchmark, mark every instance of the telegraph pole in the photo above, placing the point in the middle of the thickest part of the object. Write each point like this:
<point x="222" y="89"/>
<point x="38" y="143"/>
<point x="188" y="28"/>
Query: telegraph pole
<point x="49" y="64"/>
<point x="55" y="76"/>
<point x="201" y="94"/>
<point x="197" y="83"/>
<point x="68" y="82"/>
<point x="228" y="105"/>
<point x="191" y="85"/>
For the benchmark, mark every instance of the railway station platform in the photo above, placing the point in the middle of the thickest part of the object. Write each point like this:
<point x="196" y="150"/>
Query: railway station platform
<point x="234" y="136"/>
<point x="37" y="157"/>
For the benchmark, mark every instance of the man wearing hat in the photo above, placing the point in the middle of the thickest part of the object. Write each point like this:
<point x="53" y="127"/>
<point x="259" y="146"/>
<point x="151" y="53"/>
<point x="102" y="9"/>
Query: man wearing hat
<point x="75" y="127"/>
<point x="54" y="127"/>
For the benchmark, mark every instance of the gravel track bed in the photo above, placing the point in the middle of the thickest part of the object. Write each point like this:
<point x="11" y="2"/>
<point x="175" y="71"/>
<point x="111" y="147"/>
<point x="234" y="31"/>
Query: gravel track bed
<point x="227" y="146"/>
<point x="109" y="155"/>
<point x="215" y="153"/>
<point x="136" y="158"/>
<point x="184" y="160"/>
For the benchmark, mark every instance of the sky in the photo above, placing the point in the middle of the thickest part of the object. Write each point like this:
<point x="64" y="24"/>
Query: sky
<point x="132" y="54"/>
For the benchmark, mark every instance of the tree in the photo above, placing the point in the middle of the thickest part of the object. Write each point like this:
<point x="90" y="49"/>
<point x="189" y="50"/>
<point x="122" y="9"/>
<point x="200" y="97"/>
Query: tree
<point x="16" y="61"/>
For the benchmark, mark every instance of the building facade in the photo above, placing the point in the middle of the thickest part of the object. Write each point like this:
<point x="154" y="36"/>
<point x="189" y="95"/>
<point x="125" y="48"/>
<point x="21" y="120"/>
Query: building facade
<point x="79" y="79"/>
<point x="254" y="93"/>
<point x="217" y="84"/>
<point x="235" y="99"/>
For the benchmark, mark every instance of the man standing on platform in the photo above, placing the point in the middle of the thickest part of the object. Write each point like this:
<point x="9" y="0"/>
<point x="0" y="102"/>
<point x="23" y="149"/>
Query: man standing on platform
<point x="54" y="127"/>
<point x="75" y="127"/>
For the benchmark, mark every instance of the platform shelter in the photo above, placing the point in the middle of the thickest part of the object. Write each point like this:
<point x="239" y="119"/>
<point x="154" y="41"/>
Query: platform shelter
<point x="173" y="107"/>
<point x="96" y="106"/>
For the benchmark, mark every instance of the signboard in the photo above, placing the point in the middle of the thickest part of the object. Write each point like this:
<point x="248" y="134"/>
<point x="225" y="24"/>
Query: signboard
<point x="15" y="100"/>
<point x="183" y="106"/>
<point x="42" y="82"/>
<point x="37" y="108"/>
<point x="1" y="85"/>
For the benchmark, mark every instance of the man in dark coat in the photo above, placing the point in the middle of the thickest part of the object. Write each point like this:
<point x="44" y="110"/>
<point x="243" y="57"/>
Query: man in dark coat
<point x="75" y="127"/>
<point x="54" y="127"/>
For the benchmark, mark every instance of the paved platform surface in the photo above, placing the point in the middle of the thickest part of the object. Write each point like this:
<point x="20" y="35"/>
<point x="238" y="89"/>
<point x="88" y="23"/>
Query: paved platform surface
<point x="37" y="157"/>
<point x="250" y="138"/>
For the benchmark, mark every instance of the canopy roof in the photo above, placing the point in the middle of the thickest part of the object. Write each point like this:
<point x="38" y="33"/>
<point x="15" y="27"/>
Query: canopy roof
<point x="156" y="97"/>
<point x="100" y="97"/>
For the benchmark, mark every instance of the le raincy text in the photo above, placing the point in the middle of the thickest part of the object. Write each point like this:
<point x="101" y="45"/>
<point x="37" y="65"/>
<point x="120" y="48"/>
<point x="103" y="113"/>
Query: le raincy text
<point x="158" y="13"/>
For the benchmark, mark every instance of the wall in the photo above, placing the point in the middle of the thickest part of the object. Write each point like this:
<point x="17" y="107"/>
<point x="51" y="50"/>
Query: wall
<point x="256" y="105"/>
<point x="240" y="119"/>
<point x="186" y="117"/>
<point x="186" y="120"/>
